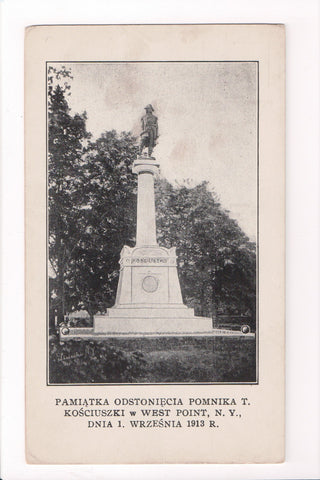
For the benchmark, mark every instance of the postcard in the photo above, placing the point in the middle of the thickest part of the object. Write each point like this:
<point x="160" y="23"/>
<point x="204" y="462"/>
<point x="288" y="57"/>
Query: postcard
<point x="155" y="160"/>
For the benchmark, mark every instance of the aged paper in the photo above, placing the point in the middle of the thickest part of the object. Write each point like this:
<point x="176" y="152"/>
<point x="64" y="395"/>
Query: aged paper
<point x="180" y="358"/>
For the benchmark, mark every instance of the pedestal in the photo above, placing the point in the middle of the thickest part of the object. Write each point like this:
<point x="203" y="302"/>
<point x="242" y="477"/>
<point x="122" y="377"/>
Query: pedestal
<point x="149" y="296"/>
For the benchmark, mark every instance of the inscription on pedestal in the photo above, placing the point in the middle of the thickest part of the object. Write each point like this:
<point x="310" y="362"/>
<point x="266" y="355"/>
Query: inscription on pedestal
<point x="149" y="260"/>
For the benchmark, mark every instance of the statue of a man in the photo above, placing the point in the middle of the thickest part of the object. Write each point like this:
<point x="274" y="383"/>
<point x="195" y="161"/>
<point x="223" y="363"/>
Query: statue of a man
<point x="149" y="132"/>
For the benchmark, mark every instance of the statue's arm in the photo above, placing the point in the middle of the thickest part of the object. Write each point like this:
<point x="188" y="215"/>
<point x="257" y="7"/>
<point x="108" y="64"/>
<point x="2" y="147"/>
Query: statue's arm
<point x="157" y="130"/>
<point x="142" y="124"/>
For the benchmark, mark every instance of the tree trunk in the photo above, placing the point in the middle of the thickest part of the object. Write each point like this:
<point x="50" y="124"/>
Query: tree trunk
<point x="214" y="293"/>
<point x="61" y="310"/>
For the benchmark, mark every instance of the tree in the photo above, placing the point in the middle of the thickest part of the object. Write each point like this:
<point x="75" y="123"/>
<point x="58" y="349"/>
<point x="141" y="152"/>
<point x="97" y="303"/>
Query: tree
<point x="66" y="146"/>
<point x="109" y="220"/>
<point x="216" y="260"/>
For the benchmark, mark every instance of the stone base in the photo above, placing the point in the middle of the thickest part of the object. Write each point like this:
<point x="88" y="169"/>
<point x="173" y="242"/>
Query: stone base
<point x="148" y="311"/>
<point x="106" y="324"/>
<point x="89" y="334"/>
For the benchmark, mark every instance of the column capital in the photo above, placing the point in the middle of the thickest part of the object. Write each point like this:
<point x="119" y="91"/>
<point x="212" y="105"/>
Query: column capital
<point x="143" y="164"/>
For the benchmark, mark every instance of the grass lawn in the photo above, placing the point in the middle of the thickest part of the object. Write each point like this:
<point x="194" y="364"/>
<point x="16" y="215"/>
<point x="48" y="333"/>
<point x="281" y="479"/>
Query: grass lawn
<point x="153" y="360"/>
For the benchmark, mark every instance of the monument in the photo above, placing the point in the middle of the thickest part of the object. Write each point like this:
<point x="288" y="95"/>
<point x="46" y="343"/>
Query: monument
<point x="149" y="296"/>
<point x="149" y="299"/>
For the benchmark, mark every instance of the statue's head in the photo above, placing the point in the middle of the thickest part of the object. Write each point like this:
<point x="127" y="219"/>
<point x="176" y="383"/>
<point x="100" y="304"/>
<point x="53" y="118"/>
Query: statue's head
<point x="149" y="108"/>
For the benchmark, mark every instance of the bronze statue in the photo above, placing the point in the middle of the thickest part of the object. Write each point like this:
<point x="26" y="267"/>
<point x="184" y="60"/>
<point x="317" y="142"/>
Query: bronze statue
<point x="149" y="132"/>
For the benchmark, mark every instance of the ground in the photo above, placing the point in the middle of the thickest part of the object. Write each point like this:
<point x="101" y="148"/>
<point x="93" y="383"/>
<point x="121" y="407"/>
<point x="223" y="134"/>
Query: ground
<point x="153" y="360"/>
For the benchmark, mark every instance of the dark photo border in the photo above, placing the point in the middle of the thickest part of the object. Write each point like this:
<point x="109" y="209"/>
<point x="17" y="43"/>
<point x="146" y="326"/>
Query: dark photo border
<point x="257" y="338"/>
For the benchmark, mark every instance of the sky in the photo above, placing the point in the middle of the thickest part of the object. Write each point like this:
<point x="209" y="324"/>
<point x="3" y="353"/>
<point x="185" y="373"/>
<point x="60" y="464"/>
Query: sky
<point x="207" y="116"/>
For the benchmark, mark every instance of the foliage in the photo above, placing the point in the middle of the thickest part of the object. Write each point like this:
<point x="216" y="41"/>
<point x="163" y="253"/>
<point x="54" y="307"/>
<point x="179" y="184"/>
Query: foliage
<point x="78" y="361"/>
<point x="216" y="260"/>
<point x="66" y="145"/>
<point x="91" y="206"/>
<point x="109" y="218"/>
<point x="164" y="360"/>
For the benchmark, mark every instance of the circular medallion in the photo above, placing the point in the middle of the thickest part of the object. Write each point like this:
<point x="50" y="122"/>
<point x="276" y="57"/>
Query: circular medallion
<point x="150" y="284"/>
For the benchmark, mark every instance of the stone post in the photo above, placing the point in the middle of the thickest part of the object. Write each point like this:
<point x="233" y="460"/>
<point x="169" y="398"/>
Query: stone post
<point x="146" y="169"/>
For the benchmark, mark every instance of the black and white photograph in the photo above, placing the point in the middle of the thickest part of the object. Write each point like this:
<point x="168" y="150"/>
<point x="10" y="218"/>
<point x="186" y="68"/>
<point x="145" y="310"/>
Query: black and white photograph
<point x="152" y="222"/>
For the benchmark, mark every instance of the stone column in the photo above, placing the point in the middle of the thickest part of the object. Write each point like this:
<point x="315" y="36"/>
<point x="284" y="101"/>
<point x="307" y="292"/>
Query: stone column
<point x="146" y="169"/>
